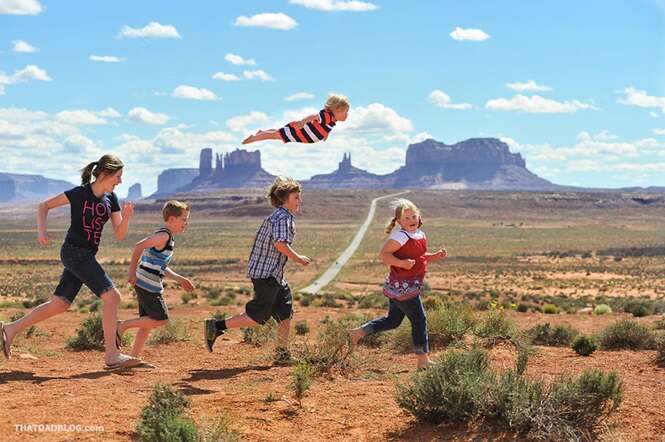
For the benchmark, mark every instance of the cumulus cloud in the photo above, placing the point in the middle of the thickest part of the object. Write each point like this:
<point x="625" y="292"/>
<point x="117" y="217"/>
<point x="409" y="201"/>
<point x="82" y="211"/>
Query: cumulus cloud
<point x="225" y="77"/>
<point x="23" y="46"/>
<point x="241" y="123"/>
<point x="143" y="115"/>
<point x="536" y="104"/>
<point x="659" y="131"/>
<point x="194" y="93"/>
<point x="470" y="34"/>
<point x="299" y="96"/>
<point x="640" y="98"/>
<point x="441" y="99"/>
<point x="30" y="72"/>
<point x="529" y="86"/>
<point x="80" y="117"/>
<point x="238" y="60"/>
<point x="375" y="117"/>
<point x="20" y="7"/>
<point x="258" y="74"/>
<point x="332" y="5"/>
<point x="270" y="20"/>
<point x="151" y="30"/>
<point x="106" y="58"/>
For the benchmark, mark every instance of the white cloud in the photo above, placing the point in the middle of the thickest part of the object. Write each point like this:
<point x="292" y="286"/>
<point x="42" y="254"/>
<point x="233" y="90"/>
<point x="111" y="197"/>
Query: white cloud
<point x="258" y="74"/>
<point x="659" y="131"/>
<point x="653" y="115"/>
<point x="585" y="166"/>
<point x="536" y="104"/>
<point x="194" y="93"/>
<point x="78" y="144"/>
<point x="639" y="98"/>
<point x="530" y="86"/>
<point x="106" y="58"/>
<point x="470" y="34"/>
<point x="375" y="118"/>
<point x="441" y="99"/>
<point x="20" y="7"/>
<point x="109" y="112"/>
<point x="23" y="46"/>
<point x="270" y="20"/>
<point x="225" y="77"/>
<point x="332" y="5"/>
<point x="151" y="30"/>
<point x="299" y="96"/>
<point x="30" y="72"/>
<point x="241" y="123"/>
<point x="143" y="115"/>
<point x="238" y="60"/>
<point x="80" y="117"/>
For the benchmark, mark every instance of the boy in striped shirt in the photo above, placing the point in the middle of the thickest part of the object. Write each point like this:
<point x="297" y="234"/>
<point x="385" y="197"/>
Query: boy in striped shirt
<point x="148" y="268"/>
<point x="311" y="129"/>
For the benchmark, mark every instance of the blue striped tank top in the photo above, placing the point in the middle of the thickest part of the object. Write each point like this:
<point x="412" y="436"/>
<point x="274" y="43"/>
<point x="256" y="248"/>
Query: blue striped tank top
<point x="150" y="271"/>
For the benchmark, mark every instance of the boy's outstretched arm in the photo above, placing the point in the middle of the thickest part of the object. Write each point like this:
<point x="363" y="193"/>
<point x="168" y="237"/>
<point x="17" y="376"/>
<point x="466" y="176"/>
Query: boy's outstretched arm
<point x="308" y="119"/>
<point x="157" y="241"/>
<point x="285" y="249"/>
<point x="184" y="282"/>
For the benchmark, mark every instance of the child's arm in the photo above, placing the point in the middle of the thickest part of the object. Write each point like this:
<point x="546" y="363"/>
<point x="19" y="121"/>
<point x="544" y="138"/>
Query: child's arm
<point x="158" y="241"/>
<point x="440" y="254"/>
<point x="387" y="255"/>
<point x="308" y="119"/>
<point x="42" y="213"/>
<point x="285" y="249"/>
<point x="184" y="282"/>
<point x="120" y="220"/>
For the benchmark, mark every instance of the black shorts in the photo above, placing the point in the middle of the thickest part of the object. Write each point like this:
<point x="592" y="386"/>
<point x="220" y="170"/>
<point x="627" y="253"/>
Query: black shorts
<point x="81" y="267"/>
<point x="151" y="304"/>
<point x="271" y="299"/>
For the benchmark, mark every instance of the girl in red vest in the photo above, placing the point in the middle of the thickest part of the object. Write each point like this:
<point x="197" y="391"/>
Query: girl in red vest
<point x="405" y="251"/>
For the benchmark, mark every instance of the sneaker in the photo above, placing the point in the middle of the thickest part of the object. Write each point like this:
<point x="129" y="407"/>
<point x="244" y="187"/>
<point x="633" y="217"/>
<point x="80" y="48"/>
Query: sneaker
<point x="210" y="333"/>
<point x="283" y="356"/>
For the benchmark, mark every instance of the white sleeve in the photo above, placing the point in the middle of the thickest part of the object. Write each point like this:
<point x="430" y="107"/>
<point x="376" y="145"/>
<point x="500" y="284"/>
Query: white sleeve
<point x="399" y="236"/>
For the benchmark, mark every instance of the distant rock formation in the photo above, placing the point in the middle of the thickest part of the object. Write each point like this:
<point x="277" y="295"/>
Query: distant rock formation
<point x="346" y="177"/>
<point x="236" y="169"/>
<point x="134" y="192"/>
<point x="16" y="187"/>
<point x="172" y="179"/>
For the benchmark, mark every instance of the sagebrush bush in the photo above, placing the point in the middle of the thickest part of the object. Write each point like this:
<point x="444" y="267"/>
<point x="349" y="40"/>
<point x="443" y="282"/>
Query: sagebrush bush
<point x="602" y="309"/>
<point x="302" y="379"/>
<point x="639" y="307"/>
<point x="626" y="334"/>
<point x="261" y="334"/>
<point x="163" y="419"/>
<point x="550" y="309"/>
<point x="496" y="323"/>
<point x="461" y="387"/>
<point x="331" y="351"/>
<point x="88" y="336"/>
<point x="584" y="345"/>
<point x="302" y="328"/>
<point x="558" y="336"/>
<point x="175" y="330"/>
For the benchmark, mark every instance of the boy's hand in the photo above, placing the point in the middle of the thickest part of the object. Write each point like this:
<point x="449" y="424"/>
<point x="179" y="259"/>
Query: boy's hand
<point x="43" y="238"/>
<point x="132" y="279"/>
<point x="303" y="260"/>
<point x="186" y="284"/>
<point x="408" y="263"/>
<point x="127" y="210"/>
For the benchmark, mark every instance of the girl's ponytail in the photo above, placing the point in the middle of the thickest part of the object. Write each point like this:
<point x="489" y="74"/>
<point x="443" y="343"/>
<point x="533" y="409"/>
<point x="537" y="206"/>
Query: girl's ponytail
<point x="391" y="225"/>
<point x="86" y="173"/>
<point x="107" y="164"/>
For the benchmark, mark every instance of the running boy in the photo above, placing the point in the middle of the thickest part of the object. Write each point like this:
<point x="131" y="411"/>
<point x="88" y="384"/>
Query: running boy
<point x="405" y="251"/>
<point x="148" y="268"/>
<point x="270" y="252"/>
<point x="311" y="129"/>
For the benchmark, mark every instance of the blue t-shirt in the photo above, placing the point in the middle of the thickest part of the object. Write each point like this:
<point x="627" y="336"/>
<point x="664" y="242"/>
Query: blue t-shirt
<point x="89" y="214"/>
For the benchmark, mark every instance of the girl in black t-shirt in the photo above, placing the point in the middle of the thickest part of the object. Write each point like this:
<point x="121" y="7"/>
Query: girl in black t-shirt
<point x="92" y="204"/>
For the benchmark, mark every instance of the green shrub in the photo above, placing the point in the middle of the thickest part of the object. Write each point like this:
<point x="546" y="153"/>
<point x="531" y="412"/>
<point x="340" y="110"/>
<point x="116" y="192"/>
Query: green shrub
<point x="626" y="334"/>
<point x="331" y="349"/>
<point x="302" y="379"/>
<point x="432" y="303"/>
<point x="261" y="334"/>
<point x="88" y="336"/>
<point x="163" y="418"/>
<point x="174" y="331"/>
<point x="638" y="307"/>
<point x="602" y="309"/>
<point x="302" y="328"/>
<point x="496" y="323"/>
<point x="445" y="325"/>
<point x="522" y="308"/>
<point x="220" y="431"/>
<point x="188" y="296"/>
<point x="373" y="300"/>
<point x="212" y="293"/>
<point x="584" y="345"/>
<point x="550" y="309"/>
<point x="558" y="336"/>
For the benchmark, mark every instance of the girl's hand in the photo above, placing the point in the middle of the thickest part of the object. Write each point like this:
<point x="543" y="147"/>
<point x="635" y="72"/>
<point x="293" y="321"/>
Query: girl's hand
<point x="408" y="263"/>
<point x="43" y="238"/>
<point x="132" y="279"/>
<point x="186" y="284"/>
<point x="303" y="260"/>
<point x="441" y="254"/>
<point x="127" y="210"/>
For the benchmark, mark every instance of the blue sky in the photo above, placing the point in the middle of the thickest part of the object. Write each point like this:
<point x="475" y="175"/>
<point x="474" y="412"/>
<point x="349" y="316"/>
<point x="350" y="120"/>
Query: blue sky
<point x="577" y="87"/>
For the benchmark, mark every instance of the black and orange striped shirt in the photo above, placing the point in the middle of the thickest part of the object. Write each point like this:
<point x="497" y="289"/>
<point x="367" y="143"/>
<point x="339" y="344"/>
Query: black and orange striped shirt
<point x="313" y="132"/>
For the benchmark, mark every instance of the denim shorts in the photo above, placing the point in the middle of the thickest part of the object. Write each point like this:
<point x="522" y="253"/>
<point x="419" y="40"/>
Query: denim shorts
<point x="81" y="267"/>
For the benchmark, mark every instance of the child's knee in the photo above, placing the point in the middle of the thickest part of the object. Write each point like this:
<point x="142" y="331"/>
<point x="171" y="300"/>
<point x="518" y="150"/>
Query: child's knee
<point x="111" y="297"/>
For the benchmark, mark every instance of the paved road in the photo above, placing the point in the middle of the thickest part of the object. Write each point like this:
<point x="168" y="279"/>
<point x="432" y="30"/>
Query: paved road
<point x="334" y="269"/>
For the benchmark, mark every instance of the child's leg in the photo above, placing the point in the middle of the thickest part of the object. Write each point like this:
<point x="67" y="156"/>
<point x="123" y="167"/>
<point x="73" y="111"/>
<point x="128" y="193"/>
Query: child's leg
<point x="40" y="313"/>
<point x="415" y="311"/>
<point x="144" y="324"/>
<point x="392" y="320"/>
<point x="111" y="300"/>
<point x="283" y="331"/>
<point x="270" y="134"/>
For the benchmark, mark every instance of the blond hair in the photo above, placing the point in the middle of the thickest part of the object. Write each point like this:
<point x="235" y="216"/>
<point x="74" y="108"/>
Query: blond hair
<point x="399" y="206"/>
<point x="336" y="101"/>
<point x="107" y="164"/>
<point x="281" y="188"/>
<point x="174" y="208"/>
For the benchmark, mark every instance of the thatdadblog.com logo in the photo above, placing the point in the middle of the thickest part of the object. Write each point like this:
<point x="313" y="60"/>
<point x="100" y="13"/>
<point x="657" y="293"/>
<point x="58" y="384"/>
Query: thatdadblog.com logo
<point x="57" y="428"/>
